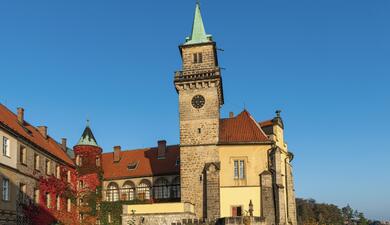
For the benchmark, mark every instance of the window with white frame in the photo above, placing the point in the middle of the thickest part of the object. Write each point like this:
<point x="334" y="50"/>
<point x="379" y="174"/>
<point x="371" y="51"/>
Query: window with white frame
<point x="5" y="189"/>
<point x="239" y="169"/>
<point x="6" y="147"/>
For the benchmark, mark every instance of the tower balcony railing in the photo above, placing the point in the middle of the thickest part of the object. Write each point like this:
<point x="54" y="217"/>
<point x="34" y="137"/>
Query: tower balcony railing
<point x="144" y="195"/>
<point x="196" y="74"/>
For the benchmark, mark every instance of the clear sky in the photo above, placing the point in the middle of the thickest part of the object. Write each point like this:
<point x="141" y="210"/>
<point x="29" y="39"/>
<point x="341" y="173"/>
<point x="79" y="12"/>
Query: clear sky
<point x="325" y="63"/>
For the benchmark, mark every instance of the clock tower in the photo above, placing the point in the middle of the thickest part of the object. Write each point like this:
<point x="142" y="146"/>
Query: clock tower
<point x="199" y="85"/>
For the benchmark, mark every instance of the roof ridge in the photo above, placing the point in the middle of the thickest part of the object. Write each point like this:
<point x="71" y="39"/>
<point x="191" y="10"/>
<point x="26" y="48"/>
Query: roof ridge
<point x="142" y="149"/>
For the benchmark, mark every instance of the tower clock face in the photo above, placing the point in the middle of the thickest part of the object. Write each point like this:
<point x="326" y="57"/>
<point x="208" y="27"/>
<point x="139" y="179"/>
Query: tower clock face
<point x="198" y="101"/>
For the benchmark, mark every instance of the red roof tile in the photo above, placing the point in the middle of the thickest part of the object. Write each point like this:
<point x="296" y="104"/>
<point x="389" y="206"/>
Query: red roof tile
<point x="31" y="133"/>
<point x="240" y="129"/>
<point x="266" y="123"/>
<point x="148" y="163"/>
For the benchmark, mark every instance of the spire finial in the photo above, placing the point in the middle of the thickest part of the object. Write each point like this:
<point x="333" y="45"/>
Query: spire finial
<point x="198" y="34"/>
<point x="278" y="112"/>
<point x="87" y="122"/>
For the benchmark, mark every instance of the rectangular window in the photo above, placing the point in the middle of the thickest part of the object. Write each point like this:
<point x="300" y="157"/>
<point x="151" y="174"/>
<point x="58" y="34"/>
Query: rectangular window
<point x="47" y="166"/>
<point x="48" y="200"/>
<point x="239" y="169"/>
<point x="5" y="189"/>
<point x="22" y="192"/>
<point x="242" y="169"/>
<point x="195" y="58"/>
<point x="58" y="172"/>
<point x="58" y="202"/>
<point x="36" y="162"/>
<point x="68" y="176"/>
<point x="236" y="211"/>
<point x="81" y="184"/>
<point x="235" y="169"/>
<point x="198" y="58"/>
<point x="23" y="155"/>
<point x="6" y="147"/>
<point x="68" y="205"/>
<point x="109" y="218"/>
<point x="36" y="195"/>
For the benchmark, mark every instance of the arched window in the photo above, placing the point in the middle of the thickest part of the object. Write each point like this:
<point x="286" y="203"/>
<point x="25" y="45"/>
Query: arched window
<point x="128" y="191"/>
<point x="112" y="192"/>
<point x="161" y="189"/>
<point x="143" y="190"/>
<point x="175" y="188"/>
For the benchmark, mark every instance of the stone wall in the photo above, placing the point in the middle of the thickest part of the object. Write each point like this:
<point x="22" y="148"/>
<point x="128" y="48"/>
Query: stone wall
<point x="157" y="219"/>
<point x="208" y="57"/>
<point x="212" y="191"/>
<point x="192" y="178"/>
<point x="267" y="197"/>
<point x="291" y="205"/>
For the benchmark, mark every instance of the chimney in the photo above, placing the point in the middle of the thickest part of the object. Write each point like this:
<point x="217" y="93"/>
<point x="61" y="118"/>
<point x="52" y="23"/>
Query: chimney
<point x="231" y="114"/>
<point x="162" y="149"/>
<point x="20" y="115"/>
<point x="117" y="153"/>
<point x="63" y="144"/>
<point x="43" y="131"/>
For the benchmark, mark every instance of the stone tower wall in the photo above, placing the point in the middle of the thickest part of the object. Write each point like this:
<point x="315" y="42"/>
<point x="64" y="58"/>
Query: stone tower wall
<point x="199" y="126"/>
<point x="212" y="191"/>
<point x="208" y="57"/>
<point x="192" y="178"/>
<point x="267" y="198"/>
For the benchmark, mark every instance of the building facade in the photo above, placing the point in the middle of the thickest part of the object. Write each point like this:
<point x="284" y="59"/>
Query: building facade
<point x="33" y="167"/>
<point x="224" y="170"/>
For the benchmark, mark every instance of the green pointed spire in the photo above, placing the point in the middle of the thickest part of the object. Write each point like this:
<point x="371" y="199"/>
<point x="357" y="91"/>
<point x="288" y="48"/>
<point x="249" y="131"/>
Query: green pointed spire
<point x="198" y="34"/>
<point x="87" y="137"/>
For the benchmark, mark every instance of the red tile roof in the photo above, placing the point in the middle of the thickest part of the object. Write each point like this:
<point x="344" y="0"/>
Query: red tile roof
<point x="240" y="129"/>
<point x="31" y="133"/>
<point x="266" y="123"/>
<point x="148" y="163"/>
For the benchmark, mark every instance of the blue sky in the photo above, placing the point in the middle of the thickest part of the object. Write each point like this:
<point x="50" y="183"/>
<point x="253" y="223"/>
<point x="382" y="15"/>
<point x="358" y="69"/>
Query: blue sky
<point x="325" y="63"/>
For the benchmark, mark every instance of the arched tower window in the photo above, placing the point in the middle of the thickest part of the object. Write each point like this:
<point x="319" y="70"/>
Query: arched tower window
<point x="112" y="192"/>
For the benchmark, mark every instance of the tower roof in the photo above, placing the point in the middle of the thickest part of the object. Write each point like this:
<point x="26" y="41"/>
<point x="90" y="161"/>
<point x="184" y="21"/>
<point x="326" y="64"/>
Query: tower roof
<point x="87" y="137"/>
<point x="198" y="34"/>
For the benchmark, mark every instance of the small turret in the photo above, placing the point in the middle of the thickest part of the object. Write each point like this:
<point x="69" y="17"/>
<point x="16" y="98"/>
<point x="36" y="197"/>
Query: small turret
<point x="87" y="151"/>
<point x="87" y="138"/>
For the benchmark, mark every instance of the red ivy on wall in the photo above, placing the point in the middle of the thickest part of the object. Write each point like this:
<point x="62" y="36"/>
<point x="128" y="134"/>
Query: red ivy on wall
<point x="46" y="211"/>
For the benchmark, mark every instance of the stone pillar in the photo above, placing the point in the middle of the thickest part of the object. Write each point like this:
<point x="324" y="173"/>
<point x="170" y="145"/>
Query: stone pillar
<point x="280" y="192"/>
<point x="291" y="206"/>
<point x="212" y="191"/>
<point x="267" y="198"/>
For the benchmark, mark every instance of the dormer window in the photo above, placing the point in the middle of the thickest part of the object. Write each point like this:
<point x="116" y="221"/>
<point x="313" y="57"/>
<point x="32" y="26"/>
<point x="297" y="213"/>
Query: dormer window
<point x="132" y="166"/>
<point x="198" y="58"/>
